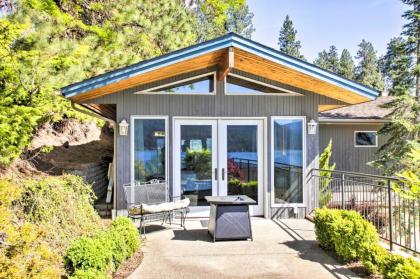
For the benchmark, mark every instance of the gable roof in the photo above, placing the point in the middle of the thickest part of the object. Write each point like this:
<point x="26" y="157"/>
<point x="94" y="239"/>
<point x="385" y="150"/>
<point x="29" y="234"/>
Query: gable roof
<point x="368" y="111"/>
<point x="249" y="56"/>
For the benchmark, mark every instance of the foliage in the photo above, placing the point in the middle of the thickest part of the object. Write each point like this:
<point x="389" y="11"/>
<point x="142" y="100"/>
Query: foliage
<point x="46" y="44"/>
<point x="103" y="252"/>
<point x="328" y="60"/>
<point x="346" y="66"/>
<point x="409" y="186"/>
<point x="396" y="67"/>
<point x="324" y="164"/>
<point x="354" y="238"/>
<point x="63" y="205"/>
<point x="218" y="17"/>
<point x="403" y="133"/>
<point x="89" y="274"/>
<point x="234" y="170"/>
<point x="367" y="71"/>
<point x="24" y="251"/>
<point x="287" y="39"/>
<point x="200" y="162"/>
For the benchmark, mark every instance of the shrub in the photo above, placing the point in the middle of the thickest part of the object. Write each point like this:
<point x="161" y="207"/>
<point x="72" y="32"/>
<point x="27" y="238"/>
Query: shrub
<point x="89" y="274"/>
<point x="90" y="253"/>
<point x="105" y="251"/>
<point x="324" y="222"/>
<point x="373" y="257"/>
<point x="350" y="233"/>
<point x="125" y="239"/>
<point x="399" y="267"/>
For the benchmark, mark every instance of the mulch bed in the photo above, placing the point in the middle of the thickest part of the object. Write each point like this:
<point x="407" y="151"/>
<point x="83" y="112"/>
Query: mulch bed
<point x="128" y="267"/>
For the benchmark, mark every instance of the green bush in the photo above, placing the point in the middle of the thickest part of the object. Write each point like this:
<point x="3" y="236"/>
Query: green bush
<point x="105" y="251"/>
<point x="125" y="239"/>
<point x="351" y="232"/>
<point x="354" y="238"/>
<point x="90" y="253"/>
<point x="324" y="222"/>
<point x="89" y="274"/>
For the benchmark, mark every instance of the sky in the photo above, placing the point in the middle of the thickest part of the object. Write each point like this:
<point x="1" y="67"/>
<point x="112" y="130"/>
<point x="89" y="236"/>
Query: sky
<point x="321" y="23"/>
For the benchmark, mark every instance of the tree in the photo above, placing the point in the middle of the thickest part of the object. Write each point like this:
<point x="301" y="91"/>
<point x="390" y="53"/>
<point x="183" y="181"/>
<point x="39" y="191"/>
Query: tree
<point x="287" y="39"/>
<point x="214" y="18"/>
<point x="346" y="66"/>
<point x="367" y="70"/>
<point x="46" y="44"/>
<point x="328" y="60"/>
<point x="412" y="32"/>
<point x="396" y="67"/>
<point x="324" y="164"/>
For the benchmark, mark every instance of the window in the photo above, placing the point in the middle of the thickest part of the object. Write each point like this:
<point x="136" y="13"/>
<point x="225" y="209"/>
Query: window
<point x="202" y="84"/>
<point x="149" y="149"/>
<point x="239" y="85"/>
<point x="365" y="139"/>
<point x="288" y="160"/>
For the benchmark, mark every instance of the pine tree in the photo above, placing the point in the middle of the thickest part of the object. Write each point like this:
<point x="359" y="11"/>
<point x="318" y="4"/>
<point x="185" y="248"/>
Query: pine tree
<point x="287" y="39"/>
<point x="346" y="67"/>
<point x="367" y="70"/>
<point x="239" y="21"/>
<point x="328" y="60"/>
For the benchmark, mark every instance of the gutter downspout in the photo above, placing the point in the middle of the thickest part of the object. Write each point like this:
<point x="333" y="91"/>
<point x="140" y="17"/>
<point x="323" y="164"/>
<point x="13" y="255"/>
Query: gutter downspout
<point x="114" y="161"/>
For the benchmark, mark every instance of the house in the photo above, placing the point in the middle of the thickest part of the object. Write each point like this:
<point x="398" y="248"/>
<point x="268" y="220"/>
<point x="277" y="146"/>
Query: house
<point x="226" y="116"/>
<point x="353" y="132"/>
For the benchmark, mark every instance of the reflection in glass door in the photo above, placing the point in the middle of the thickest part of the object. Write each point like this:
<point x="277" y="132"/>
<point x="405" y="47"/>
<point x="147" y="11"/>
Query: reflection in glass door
<point x="195" y="161"/>
<point x="241" y="160"/>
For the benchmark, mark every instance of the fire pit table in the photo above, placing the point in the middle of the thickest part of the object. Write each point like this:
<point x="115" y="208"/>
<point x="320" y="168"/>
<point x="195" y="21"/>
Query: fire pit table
<point x="229" y="217"/>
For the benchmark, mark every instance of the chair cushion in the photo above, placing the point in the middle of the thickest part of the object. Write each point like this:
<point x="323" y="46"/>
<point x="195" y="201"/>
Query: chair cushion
<point x="156" y="208"/>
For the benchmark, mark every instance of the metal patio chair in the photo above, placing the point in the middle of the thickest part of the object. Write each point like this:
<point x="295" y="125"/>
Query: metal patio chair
<point x="148" y="202"/>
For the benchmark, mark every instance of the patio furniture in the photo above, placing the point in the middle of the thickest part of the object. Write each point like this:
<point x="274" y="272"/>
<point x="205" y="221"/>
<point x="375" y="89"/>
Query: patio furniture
<point x="148" y="202"/>
<point x="229" y="217"/>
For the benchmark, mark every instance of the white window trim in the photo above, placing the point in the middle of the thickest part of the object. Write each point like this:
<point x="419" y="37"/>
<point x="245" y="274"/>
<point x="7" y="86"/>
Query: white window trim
<point x="152" y="117"/>
<point x="149" y="90"/>
<point x="279" y="205"/>
<point x="376" y="139"/>
<point x="289" y="92"/>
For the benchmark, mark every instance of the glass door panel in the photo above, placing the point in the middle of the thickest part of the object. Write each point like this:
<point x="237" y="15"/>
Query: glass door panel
<point x="195" y="160"/>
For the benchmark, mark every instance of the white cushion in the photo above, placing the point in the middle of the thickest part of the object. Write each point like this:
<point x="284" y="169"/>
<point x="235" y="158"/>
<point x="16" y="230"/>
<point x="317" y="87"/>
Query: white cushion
<point x="184" y="203"/>
<point x="156" y="208"/>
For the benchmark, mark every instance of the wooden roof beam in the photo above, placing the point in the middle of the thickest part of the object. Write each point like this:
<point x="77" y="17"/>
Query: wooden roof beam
<point x="227" y="63"/>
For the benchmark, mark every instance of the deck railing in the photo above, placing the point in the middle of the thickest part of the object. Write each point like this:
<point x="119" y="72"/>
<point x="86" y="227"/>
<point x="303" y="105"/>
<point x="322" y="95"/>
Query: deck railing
<point x="396" y="218"/>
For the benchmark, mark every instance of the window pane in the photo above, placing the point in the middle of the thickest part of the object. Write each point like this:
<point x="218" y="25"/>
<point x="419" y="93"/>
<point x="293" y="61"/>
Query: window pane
<point x="196" y="163"/>
<point x="366" y="138"/>
<point x="288" y="161"/>
<point x="149" y="149"/>
<point x="242" y="160"/>
<point x="195" y="86"/>
<point x="235" y="85"/>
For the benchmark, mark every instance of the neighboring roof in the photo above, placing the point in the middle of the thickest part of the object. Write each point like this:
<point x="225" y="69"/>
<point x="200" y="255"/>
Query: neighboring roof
<point x="212" y="53"/>
<point x="368" y="111"/>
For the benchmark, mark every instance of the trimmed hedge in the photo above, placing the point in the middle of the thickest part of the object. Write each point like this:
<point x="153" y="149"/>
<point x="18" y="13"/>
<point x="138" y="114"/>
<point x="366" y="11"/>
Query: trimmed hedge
<point x="354" y="238"/>
<point x="94" y="257"/>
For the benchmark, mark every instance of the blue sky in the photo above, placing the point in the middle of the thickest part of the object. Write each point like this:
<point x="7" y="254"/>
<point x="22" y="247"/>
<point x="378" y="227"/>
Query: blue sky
<point x="321" y="23"/>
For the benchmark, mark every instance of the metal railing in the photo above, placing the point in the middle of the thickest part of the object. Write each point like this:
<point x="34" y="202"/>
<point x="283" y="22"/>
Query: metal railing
<point x="396" y="218"/>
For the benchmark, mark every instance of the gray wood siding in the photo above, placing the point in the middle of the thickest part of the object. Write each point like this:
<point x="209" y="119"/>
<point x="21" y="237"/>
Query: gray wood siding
<point x="219" y="105"/>
<point x="344" y="153"/>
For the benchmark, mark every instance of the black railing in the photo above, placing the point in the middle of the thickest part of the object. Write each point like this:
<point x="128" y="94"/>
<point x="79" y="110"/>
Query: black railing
<point x="396" y="218"/>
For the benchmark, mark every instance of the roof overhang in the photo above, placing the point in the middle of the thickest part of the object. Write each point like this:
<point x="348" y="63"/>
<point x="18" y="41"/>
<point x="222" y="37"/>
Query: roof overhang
<point x="242" y="54"/>
<point x="326" y="120"/>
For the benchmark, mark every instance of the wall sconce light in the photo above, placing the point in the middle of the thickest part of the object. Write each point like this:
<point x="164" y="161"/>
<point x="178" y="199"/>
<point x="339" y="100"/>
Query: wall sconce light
<point x="123" y="127"/>
<point x="312" y="127"/>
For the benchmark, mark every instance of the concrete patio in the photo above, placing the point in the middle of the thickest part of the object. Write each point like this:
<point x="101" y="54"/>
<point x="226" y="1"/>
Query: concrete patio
<point x="281" y="249"/>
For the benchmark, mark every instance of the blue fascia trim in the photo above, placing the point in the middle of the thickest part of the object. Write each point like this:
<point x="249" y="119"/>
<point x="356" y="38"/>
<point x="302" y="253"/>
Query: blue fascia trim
<point x="304" y="67"/>
<point x="146" y="66"/>
<point x="226" y="41"/>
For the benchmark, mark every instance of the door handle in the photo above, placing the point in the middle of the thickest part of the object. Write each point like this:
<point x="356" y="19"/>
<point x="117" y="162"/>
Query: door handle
<point x="215" y="173"/>
<point x="223" y="173"/>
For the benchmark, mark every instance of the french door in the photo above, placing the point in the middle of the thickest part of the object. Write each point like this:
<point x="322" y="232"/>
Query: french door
<point x="218" y="157"/>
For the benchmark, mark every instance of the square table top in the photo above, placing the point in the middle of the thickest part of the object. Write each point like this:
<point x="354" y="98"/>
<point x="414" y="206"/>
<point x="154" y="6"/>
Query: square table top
<point x="237" y="199"/>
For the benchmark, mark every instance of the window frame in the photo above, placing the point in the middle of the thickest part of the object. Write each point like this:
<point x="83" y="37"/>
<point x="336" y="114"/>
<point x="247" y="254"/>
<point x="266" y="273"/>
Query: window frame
<point x="273" y="203"/>
<point x="357" y="145"/>
<point x="287" y="91"/>
<point x="149" y="91"/>
<point x="150" y="117"/>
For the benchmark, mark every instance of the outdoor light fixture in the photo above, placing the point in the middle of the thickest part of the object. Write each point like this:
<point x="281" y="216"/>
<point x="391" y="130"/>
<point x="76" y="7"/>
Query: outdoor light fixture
<point x="123" y="128"/>
<point x="312" y="127"/>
